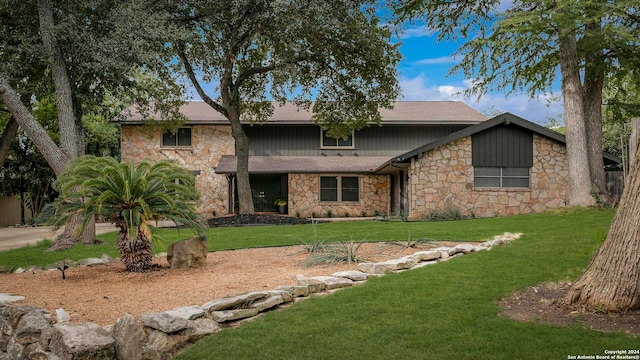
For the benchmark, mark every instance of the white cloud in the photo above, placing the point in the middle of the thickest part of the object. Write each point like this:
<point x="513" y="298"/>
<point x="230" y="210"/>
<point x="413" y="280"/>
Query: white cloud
<point x="537" y="109"/>
<point x="436" y="61"/>
<point x="416" y="32"/>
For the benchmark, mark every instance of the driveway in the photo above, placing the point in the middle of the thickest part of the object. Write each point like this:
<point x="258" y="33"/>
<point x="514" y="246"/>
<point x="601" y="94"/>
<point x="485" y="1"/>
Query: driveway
<point x="15" y="237"/>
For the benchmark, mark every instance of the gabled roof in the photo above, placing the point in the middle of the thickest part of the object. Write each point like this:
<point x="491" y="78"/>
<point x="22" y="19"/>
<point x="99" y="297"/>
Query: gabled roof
<point x="303" y="164"/>
<point x="507" y="119"/>
<point x="403" y="113"/>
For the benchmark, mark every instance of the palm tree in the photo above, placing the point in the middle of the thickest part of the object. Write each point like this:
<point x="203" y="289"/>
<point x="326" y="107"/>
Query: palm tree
<point x="137" y="195"/>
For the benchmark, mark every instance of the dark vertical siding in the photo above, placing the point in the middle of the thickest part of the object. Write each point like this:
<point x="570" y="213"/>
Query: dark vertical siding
<point x="503" y="146"/>
<point x="304" y="140"/>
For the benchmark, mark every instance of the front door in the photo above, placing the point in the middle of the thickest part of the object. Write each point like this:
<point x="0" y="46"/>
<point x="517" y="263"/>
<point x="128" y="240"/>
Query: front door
<point x="265" y="189"/>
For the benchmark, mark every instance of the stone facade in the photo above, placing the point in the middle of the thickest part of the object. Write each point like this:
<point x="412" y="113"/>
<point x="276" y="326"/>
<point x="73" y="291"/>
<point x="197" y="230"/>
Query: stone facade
<point x="208" y="144"/>
<point x="304" y="197"/>
<point x="443" y="180"/>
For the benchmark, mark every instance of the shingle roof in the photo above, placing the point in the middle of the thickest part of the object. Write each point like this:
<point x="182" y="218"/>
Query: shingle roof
<point x="303" y="164"/>
<point x="404" y="112"/>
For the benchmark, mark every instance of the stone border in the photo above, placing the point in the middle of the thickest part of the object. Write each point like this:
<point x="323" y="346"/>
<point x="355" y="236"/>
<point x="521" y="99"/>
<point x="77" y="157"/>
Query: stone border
<point x="29" y="332"/>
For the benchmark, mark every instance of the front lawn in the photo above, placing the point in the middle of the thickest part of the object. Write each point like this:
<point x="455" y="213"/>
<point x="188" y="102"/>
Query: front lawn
<point x="445" y="311"/>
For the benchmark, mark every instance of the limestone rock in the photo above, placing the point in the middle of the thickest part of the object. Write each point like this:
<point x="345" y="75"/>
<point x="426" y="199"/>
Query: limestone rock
<point x="314" y="285"/>
<point x="296" y="291"/>
<point x="7" y="298"/>
<point x="426" y="255"/>
<point x="187" y="312"/>
<point x="230" y="315"/>
<point x="374" y="268"/>
<point x="6" y="269"/>
<point x="62" y="316"/>
<point x="202" y="327"/>
<point x="163" y="322"/>
<point x="268" y="302"/>
<point x="164" y="343"/>
<point x="129" y="337"/>
<point x="82" y="341"/>
<point x="351" y="275"/>
<point x="187" y="253"/>
<point x="232" y="302"/>
<point x="31" y="326"/>
<point x="449" y="250"/>
<point x="90" y="262"/>
<point x="332" y="282"/>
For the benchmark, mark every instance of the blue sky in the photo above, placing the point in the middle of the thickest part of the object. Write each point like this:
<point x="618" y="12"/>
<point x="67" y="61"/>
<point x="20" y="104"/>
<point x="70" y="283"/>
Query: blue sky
<point x="423" y="76"/>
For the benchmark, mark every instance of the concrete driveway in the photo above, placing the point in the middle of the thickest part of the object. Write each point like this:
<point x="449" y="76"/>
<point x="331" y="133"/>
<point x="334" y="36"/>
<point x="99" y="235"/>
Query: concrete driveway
<point x="15" y="237"/>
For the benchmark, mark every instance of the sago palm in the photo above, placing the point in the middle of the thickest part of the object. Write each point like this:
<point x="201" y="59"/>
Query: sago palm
<point x="135" y="194"/>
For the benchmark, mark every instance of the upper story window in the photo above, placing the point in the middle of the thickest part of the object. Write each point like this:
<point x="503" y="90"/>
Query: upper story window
<point x="180" y="138"/>
<point x="329" y="142"/>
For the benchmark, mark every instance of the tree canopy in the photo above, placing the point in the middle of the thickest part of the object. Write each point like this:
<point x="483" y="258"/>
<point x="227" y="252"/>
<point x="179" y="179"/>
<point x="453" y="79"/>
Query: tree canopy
<point x="335" y="52"/>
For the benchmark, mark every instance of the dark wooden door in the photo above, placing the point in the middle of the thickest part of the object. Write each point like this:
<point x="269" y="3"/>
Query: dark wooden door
<point x="265" y="190"/>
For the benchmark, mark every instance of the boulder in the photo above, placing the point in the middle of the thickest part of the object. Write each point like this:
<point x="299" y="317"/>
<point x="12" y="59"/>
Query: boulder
<point x="71" y="341"/>
<point x="187" y="253"/>
<point x="62" y="316"/>
<point x="426" y="255"/>
<point x="295" y="291"/>
<point x="90" y="262"/>
<point x="268" y="302"/>
<point x="129" y="337"/>
<point x="201" y="327"/>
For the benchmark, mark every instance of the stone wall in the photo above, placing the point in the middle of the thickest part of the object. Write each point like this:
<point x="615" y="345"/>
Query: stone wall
<point x="209" y="143"/>
<point x="443" y="180"/>
<point x="304" y="197"/>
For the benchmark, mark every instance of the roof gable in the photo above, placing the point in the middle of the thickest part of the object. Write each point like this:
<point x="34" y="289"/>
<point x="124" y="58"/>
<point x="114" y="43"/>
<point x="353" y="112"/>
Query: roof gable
<point x="506" y="119"/>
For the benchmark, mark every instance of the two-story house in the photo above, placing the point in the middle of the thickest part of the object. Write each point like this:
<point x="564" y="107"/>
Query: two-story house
<point x="425" y="156"/>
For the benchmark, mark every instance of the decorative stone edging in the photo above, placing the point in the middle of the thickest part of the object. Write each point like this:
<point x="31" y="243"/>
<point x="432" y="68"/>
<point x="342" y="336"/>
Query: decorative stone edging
<point x="29" y="332"/>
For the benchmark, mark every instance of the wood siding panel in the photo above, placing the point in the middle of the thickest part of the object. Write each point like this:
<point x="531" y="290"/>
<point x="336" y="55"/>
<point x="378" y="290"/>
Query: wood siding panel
<point x="372" y="141"/>
<point x="507" y="146"/>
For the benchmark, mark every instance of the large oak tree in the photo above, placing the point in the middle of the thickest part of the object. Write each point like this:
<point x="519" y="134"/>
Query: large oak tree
<point x="335" y="52"/>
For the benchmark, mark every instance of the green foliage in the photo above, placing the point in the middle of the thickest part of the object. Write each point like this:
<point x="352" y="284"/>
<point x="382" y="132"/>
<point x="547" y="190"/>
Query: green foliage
<point x="448" y="214"/>
<point x="343" y="252"/>
<point x="139" y="193"/>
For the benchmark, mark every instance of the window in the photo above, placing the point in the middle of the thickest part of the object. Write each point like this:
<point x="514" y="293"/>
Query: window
<point x="501" y="177"/>
<point x="339" y="188"/>
<point x="329" y="142"/>
<point x="182" y="137"/>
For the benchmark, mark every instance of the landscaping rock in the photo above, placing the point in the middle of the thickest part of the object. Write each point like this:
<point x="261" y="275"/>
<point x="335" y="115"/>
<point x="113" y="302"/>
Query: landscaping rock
<point x="332" y="282"/>
<point x="268" y="302"/>
<point x="232" y="302"/>
<point x="71" y="341"/>
<point x="314" y="285"/>
<point x="230" y="315"/>
<point x="187" y="312"/>
<point x="6" y="269"/>
<point x="129" y="337"/>
<point x="8" y="298"/>
<point x="426" y="255"/>
<point x="163" y="322"/>
<point x="90" y="262"/>
<point x="201" y="327"/>
<point x="62" y="316"/>
<point x="187" y="253"/>
<point x="163" y="343"/>
<point x="296" y="291"/>
<point x="31" y="326"/>
<point x="374" y="268"/>
<point x="351" y="275"/>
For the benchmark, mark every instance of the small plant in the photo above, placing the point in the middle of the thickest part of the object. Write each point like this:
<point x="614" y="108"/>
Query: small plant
<point x="346" y="214"/>
<point x="280" y="202"/>
<point x="363" y="213"/>
<point x="344" y="252"/>
<point x="314" y="246"/>
<point x="329" y="213"/>
<point x="599" y="309"/>
<point x="448" y="214"/>
<point x="313" y="215"/>
<point x="297" y="214"/>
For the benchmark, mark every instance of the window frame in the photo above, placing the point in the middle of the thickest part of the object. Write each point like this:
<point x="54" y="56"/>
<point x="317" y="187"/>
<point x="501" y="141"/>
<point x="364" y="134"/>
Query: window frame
<point x="177" y="138"/>
<point x="339" y="189"/>
<point x="501" y="177"/>
<point x="337" y="146"/>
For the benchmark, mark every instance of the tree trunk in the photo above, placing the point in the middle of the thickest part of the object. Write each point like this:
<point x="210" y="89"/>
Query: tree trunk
<point x="593" y="84"/>
<point x="8" y="135"/>
<point x="71" y="136"/>
<point x="48" y="148"/>
<point x="242" y="176"/>
<point x="577" y="153"/>
<point x="611" y="282"/>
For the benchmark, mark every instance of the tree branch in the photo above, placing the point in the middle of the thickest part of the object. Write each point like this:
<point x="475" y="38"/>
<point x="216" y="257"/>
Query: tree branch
<point x="192" y="77"/>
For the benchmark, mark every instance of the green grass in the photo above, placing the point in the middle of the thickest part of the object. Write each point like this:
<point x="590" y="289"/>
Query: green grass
<point x="445" y="311"/>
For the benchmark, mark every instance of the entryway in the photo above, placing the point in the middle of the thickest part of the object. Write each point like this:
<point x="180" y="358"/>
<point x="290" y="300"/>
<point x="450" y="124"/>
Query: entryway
<point x="265" y="189"/>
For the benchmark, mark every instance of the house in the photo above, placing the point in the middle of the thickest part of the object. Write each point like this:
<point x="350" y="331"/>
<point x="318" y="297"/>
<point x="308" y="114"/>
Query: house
<point x="426" y="156"/>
